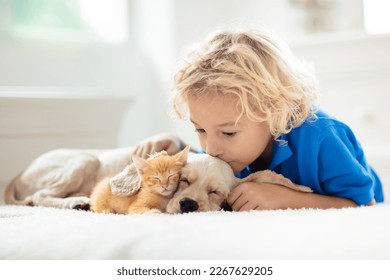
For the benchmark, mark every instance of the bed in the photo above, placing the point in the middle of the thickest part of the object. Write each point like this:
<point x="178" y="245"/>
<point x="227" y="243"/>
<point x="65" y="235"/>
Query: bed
<point x="48" y="233"/>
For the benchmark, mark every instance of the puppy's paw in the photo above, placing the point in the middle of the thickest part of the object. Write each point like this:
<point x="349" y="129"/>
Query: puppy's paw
<point x="78" y="202"/>
<point x="226" y="207"/>
<point x="84" y="207"/>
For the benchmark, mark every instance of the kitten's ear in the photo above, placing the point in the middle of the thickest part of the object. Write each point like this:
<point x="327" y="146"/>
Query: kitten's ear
<point x="183" y="155"/>
<point x="127" y="182"/>
<point x="139" y="163"/>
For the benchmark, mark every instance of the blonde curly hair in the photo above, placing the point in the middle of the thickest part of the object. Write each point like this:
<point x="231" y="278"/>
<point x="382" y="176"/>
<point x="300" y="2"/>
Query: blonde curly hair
<point x="270" y="83"/>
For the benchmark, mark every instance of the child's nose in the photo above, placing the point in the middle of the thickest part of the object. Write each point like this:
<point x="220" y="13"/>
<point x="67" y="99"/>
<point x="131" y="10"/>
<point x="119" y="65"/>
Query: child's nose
<point x="213" y="148"/>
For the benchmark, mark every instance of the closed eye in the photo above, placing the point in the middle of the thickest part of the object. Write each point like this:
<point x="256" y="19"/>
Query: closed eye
<point x="229" y="134"/>
<point x="215" y="192"/>
<point x="184" y="182"/>
<point x="173" y="177"/>
<point x="199" y="130"/>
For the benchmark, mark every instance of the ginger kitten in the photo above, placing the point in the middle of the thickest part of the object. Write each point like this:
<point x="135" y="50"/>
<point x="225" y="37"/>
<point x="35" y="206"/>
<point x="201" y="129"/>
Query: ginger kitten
<point x="159" y="176"/>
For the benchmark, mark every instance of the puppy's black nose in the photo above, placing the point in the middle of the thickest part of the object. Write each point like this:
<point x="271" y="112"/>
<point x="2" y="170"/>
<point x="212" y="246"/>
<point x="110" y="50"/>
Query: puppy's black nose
<point x="188" y="205"/>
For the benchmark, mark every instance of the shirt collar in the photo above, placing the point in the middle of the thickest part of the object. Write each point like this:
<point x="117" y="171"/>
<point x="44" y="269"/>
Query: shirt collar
<point x="281" y="151"/>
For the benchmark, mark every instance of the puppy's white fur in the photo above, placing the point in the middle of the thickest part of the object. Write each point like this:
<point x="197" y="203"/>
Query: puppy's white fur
<point x="64" y="178"/>
<point x="206" y="182"/>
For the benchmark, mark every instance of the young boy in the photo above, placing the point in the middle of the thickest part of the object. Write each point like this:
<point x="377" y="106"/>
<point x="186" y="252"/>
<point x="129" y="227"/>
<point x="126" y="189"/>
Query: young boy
<point x="253" y="105"/>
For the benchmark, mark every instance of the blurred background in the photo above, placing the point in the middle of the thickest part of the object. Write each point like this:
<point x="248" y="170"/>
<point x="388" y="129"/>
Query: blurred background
<point x="97" y="73"/>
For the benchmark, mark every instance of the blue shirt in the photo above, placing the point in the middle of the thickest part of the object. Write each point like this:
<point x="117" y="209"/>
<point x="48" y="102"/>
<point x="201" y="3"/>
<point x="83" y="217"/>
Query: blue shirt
<point x="324" y="154"/>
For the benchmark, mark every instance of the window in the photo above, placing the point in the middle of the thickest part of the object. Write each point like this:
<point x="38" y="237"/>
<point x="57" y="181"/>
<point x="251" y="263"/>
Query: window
<point x="70" y="20"/>
<point x="376" y="16"/>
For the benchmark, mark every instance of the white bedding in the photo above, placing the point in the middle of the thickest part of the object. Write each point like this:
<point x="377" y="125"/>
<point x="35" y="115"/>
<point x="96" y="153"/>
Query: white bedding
<point x="48" y="233"/>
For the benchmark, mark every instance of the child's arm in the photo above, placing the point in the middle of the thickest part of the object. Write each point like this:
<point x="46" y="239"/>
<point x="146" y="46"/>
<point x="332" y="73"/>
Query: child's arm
<point x="264" y="196"/>
<point x="168" y="142"/>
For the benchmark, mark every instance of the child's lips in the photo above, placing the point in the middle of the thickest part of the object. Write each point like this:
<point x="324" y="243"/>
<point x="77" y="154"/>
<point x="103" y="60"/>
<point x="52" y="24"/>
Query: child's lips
<point x="230" y="162"/>
<point x="226" y="160"/>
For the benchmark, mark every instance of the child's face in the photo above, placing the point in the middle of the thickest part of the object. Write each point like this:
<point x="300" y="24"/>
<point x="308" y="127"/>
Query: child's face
<point x="214" y="119"/>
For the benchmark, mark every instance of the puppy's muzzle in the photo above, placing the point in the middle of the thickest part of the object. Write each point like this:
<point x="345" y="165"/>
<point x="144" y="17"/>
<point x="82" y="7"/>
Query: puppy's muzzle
<point x="188" y="205"/>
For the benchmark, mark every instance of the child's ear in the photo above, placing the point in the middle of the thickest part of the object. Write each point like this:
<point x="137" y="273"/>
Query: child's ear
<point x="139" y="163"/>
<point x="183" y="155"/>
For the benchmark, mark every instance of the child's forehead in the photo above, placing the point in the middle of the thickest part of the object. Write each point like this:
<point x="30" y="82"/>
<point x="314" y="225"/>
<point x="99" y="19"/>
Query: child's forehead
<point x="214" y="96"/>
<point x="217" y="112"/>
<point x="217" y="123"/>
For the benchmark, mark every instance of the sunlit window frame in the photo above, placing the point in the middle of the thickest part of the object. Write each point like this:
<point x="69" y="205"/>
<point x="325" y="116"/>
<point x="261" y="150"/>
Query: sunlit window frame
<point x="105" y="21"/>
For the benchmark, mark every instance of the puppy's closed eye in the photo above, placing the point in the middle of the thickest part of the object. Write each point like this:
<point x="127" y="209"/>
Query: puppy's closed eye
<point x="215" y="192"/>
<point x="183" y="183"/>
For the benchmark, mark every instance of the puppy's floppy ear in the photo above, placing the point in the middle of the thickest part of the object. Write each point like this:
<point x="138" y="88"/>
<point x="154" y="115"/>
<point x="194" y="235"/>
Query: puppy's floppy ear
<point x="183" y="155"/>
<point x="268" y="176"/>
<point x="127" y="182"/>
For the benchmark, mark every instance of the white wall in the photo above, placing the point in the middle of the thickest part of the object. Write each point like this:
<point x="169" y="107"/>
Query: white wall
<point x="142" y="67"/>
<point x="354" y="76"/>
<point x="30" y="126"/>
<point x="111" y="71"/>
<point x="73" y="94"/>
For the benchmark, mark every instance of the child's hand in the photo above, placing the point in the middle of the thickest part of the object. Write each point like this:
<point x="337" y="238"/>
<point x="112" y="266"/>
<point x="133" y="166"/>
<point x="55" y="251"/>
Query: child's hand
<point x="168" y="142"/>
<point x="260" y="196"/>
<point x="265" y="196"/>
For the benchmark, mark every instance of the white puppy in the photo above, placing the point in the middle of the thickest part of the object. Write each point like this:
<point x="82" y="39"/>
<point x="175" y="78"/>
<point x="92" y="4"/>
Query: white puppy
<point x="206" y="181"/>
<point x="64" y="178"/>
